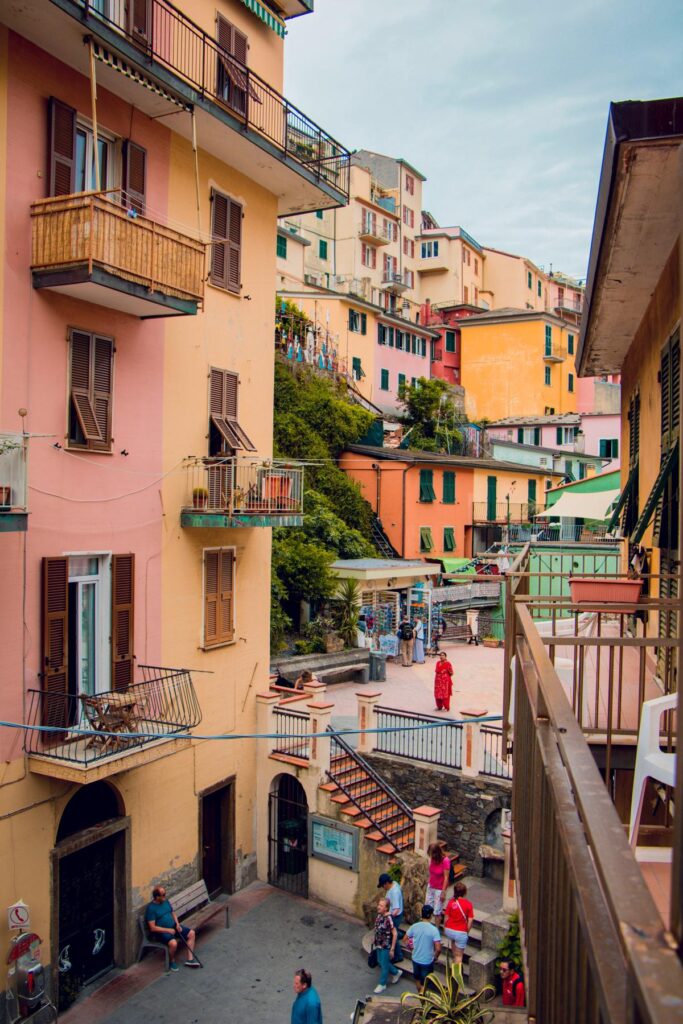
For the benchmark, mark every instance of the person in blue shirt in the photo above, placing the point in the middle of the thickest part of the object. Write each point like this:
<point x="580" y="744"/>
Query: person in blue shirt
<point x="394" y="894"/>
<point x="164" y="926"/>
<point x="306" y="1008"/>
<point x="426" y="940"/>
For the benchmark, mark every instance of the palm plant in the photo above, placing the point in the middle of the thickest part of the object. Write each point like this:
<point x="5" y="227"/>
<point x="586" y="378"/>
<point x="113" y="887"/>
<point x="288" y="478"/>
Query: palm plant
<point x="347" y="600"/>
<point x="446" y="1002"/>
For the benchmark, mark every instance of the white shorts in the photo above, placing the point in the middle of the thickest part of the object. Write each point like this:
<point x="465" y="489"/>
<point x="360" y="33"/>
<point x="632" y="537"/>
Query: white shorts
<point x="434" y="898"/>
<point x="458" y="939"/>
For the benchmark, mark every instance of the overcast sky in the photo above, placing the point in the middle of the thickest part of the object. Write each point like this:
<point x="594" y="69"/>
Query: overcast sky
<point x="502" y="104"/>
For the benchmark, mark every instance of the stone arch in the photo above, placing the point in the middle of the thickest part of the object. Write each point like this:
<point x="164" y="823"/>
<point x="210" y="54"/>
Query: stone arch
<point x="90" y="805"/>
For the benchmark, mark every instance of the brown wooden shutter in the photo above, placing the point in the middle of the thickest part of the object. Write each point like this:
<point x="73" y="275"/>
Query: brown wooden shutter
<point x="226" y="584"/>
<point x="231" y="390"/>
<point x="135" y="175"/>
<point x="61" y="148"/>
<point x="211" y="612"/>
<point x="122" y="620"/>
<point x="240" y="45"/>
<point x="139" y="20"/>
<point x="217" y="392"/>
<point x="220" y="206"/>
<point x="55" y="667"/>
<point x="81" y="390"/>
<point x="103" y="364"/>
<point x="235" y="247"/>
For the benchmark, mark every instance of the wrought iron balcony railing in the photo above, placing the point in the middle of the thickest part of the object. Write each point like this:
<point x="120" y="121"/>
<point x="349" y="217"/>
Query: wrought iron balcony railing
<point x="165" y="36"/>
<point x="502" y="512"/>
<point x="86" y="728"/>
<point x="245" y="487"/>
<point x="13" y="457"/>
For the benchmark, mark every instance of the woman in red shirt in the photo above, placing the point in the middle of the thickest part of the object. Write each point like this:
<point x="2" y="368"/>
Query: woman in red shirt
<point x="443" y="683"/>
<point x="458" y="921"/>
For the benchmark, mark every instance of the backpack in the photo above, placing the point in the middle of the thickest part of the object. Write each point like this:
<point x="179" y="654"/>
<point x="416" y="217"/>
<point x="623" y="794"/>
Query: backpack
<point x="406" y="631"/>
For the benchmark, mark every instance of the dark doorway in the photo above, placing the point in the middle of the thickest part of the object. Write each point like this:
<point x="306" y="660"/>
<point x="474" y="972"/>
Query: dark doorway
<point x="288" y="836"/>
<point x="217" y="838"/>
<point x="86" y="916"/>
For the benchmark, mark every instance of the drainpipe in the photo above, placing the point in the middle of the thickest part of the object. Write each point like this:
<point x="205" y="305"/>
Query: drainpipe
<point x="378" y="494"/>
<point x="403" y="522"/>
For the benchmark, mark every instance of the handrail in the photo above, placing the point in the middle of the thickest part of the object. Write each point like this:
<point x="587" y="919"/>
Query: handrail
<point x="431" y="747"/>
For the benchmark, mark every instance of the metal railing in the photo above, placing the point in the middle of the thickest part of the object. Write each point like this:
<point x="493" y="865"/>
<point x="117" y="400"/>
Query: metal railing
<point x="245" y="487"/>
<point x="596" y="947"/>
<point x="571" y="532"/>
<point x="94" y="228"/>
<point x="389" y="814"/>
<point x="497" y="759"/>
<point x="178" y="44"/>
<point x="13" y="477"/>
<point x="393" y="280"/>
<point x="501" y="512"/>
<point x="292" y="728"/>
<point x="439" y="746"/>
<point x="375" y="232"/>
<point x="161" y="704"/>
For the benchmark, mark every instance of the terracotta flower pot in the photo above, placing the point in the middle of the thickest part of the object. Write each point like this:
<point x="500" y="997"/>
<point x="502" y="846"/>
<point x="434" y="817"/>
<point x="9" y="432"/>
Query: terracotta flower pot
<point x="5" y="498"/>
<point x="594" y="589"/>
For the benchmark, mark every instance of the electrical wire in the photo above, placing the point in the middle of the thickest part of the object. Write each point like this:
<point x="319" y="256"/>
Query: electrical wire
<point x="113" y="497"/>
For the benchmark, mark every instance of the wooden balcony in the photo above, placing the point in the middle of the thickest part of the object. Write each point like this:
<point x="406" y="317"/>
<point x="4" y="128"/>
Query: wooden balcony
<point x="88" y="246"/>
<point x="598" y="937"/>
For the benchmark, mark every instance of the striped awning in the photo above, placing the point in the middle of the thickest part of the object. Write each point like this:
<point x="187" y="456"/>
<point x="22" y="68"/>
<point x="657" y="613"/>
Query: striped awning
<point x="113" y="61"/>
<point x="270" y="19"/>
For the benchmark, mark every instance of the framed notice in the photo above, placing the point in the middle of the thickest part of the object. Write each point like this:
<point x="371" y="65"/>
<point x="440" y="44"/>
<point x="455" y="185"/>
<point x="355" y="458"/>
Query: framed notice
<point x="333" y="841"/>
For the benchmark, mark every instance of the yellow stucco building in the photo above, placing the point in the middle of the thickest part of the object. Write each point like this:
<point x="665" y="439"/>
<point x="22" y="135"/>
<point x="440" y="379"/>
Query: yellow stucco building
<point x="517" y="363"/>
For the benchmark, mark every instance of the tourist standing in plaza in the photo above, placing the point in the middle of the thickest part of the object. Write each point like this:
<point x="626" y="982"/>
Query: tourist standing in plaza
<point x="306" y="1008"/>
<point x="426" y="941"/>
<point x="443" y="683"/>
<point x="458" y="921"/>
<point x="406" y="636"/>
<point x="439" y="868"/>
<point x="384" y="942"/>
<point x="419" y="642"/>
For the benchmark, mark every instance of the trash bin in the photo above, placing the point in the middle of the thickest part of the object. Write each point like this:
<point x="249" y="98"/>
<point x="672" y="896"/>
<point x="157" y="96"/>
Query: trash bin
<point x="378" y="666"/>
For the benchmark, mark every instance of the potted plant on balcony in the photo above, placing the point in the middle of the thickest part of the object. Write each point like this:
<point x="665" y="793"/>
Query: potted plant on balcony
<point x="5" y="498"/>
<point x="200" y="498"/>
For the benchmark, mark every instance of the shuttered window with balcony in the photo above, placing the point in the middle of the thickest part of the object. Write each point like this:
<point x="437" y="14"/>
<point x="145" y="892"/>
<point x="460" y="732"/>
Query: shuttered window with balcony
<point x="61" y="147"/>
<point x="91" y="371"/>
<point x="226" y="245"/>
<point x="122" y="620"/>
<point x="219" y="596"/>
<point x="226" y="435"/>
<point x="134" y="176"/>
<point x="232" y="82"/>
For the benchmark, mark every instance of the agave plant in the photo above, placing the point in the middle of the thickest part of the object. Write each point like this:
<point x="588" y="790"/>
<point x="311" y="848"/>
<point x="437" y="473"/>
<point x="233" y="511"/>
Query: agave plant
<point x="446" y="1002"/>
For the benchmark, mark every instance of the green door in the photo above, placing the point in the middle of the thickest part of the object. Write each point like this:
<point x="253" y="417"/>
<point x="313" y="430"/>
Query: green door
<point x="531" y="497"/>
<point x="491" y="483"/>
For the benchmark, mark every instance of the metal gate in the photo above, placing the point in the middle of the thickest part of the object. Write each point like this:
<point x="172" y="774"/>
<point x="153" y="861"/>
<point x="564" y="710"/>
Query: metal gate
<point x="288" y="837"/>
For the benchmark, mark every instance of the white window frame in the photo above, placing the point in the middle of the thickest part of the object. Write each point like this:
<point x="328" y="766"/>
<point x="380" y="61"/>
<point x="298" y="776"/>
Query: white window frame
<point x="103" y="626"/>
<point x="113" y="172"/>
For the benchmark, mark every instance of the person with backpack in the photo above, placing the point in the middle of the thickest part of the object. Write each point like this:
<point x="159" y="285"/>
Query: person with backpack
<point x="406" y="636"/>
<point x="513" y="985"/>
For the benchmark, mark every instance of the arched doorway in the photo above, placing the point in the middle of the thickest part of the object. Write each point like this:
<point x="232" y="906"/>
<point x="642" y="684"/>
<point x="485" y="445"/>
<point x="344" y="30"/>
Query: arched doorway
<point x="90" y="895"/>
<point x="288" y="836"/>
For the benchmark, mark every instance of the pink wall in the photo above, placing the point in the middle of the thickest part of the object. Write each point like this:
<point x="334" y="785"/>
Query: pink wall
<point x="396" y="362"/>
<point x="597" y="427"/>
<point x="78" y="501"/>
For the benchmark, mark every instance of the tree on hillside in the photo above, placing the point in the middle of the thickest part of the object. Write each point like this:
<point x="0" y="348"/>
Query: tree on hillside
<point x="430" y="416"/>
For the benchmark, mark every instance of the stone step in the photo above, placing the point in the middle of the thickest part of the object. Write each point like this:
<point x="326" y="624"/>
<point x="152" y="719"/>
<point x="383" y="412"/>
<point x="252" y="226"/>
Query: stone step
<point x="328" y="787"/>
<point x="340" y="798"/>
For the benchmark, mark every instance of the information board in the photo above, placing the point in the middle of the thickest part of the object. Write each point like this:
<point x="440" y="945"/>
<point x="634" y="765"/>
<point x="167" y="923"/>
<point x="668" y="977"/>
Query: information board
<point x="334" y="842"/>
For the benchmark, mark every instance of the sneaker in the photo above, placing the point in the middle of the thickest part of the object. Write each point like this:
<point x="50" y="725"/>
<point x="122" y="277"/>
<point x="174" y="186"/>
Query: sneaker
<point x="173" y="966"/>
<point x="379" y="988"/>
<point x="192" y="963"/>
<point x="394" y="978"/>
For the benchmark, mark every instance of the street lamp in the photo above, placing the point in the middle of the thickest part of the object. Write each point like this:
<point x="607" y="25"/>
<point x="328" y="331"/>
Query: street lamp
<point x="507" y="512"/>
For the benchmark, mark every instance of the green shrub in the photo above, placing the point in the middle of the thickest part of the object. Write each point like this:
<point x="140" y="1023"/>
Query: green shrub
<point x="511" y="946"/>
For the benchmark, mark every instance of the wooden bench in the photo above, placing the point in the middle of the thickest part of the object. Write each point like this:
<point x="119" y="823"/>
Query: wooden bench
<point x="457" y="632"/>
<point x="193" y="907"/>
<point x="328" y="675"/>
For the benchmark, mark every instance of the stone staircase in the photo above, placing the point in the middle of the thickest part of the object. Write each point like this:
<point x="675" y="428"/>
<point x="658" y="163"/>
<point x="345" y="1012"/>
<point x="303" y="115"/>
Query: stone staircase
<point x="367" y="800"/>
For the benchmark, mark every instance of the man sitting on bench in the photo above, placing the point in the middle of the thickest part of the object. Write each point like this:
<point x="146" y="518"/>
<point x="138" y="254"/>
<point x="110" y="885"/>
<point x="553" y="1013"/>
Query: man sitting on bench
<point x="164" y="926"/>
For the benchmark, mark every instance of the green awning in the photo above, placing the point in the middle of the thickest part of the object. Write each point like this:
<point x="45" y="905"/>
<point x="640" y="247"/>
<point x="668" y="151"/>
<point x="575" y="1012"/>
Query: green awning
<point x="624" y="498"/>
<point x="668" y="464"/>
<point x="266" y="16"/>
<point x="456" y="564"/>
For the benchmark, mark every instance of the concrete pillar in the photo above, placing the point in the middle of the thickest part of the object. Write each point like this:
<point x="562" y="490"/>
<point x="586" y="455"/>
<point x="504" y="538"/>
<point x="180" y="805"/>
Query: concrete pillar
<point x="265" y="721"/>
<point x="472" y="616"/>
<point x="319" y="750"/>
<point x="265" y="724"/>
<point x="316" y="689"/>
<point x="367" y="719"/>
<point x="472" y="746"/>
<point x="426" y="826"/>
<point x="509" y="883"/>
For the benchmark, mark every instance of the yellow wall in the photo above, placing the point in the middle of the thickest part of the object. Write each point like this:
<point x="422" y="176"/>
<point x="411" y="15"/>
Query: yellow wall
<point x="512" y="482"/>
<point x="266" y="49"/>
<point x="505" y="277"/>
<point x="502" y="368"/>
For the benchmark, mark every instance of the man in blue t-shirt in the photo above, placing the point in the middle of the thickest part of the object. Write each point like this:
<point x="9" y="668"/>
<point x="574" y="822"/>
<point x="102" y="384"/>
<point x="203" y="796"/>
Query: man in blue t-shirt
<point x="164" y="926"/>
<point x="306" y="1008"/>
<point x="426" y="940"/>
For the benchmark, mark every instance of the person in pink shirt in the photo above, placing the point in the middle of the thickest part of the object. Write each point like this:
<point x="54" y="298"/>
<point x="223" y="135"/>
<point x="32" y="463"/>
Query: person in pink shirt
<point x="439" y="869"/>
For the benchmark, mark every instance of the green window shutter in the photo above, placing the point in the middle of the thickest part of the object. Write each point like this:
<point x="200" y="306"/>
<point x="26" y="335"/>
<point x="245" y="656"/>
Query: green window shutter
<point x="319" y="214"/>
<point x="384" y="380"/>
<point x="322" y="249"/>
<point x="548" y="377"/>
<point x="450" y="341"/>
<point x="537" y="435"/>
<point x="570" y="382"/>
<point x="352" y="320"/>
<point x="520" y="435"/>
<point x="528" y="279"/>
<point x="539" y="288"/>
<point x="531" y="491"/>
<point x="356" y="368"/>
<point x="426" y="542"/>
<point x="448" y="496"/>
<point x="558" y="435"/>
<point x="363" y="323"/>
<point x="548" y="340"/>
<point x="491" y="486"/>
<point x="401" y="380"/>
<point x="570" y="344"/>
<point x="448" y="539"/>
<point x="427" y="485"/>
<point x="281" y="247"/>
<point x="391" y="337"/>
<point x="582" y="471"/>
<point x="615" y="448"/>
<point x="603" y="448"/>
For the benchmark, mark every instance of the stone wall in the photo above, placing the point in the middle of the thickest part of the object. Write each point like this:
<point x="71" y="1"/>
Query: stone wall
<point x="465" y="803"/>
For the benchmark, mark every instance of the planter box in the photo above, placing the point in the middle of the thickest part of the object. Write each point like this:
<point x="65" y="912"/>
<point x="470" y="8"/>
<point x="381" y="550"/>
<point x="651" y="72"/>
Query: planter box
<point x="491" y="643"/>
<point x="605" y="588"/>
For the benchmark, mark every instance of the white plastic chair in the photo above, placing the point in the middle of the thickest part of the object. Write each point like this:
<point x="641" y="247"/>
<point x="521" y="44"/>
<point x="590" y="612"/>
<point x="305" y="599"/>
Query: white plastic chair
<point x="651" y="761"/>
